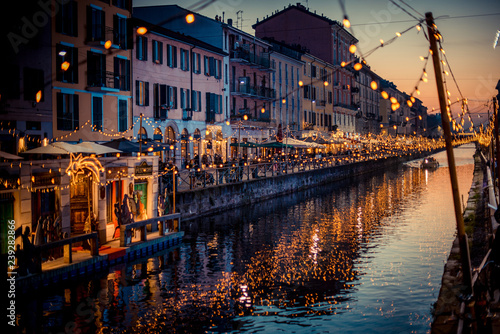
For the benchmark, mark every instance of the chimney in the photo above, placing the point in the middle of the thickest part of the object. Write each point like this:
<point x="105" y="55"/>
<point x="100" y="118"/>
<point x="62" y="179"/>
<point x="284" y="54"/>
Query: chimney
<point x="230" y="22"/>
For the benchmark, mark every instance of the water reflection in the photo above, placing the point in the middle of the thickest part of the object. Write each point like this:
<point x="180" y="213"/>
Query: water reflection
<point x="356" y="255"/>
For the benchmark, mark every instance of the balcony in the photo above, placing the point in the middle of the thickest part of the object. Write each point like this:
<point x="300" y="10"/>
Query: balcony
<point x="259" y="92"/>
<point x="346" y="106"/>
<point x="101" y="81"/>
<point x="251" y="59"/>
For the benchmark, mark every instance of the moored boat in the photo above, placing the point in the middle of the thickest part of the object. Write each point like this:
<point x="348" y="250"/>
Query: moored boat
<point x="429" y="162"/>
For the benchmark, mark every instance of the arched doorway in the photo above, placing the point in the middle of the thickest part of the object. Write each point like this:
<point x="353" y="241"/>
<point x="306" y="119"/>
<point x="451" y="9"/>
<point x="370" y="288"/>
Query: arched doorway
<point x="170" y="139"/>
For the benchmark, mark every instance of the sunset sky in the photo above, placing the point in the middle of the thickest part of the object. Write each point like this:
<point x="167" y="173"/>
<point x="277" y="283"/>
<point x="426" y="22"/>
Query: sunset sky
<point x="468" y="28"/>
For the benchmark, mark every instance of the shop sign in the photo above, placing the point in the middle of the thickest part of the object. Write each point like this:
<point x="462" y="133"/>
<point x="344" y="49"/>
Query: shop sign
<point x="143" y="169"/>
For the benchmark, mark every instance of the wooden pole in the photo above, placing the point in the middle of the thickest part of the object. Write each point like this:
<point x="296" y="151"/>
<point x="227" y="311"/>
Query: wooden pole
<point x="462" y="236"/>
<point x="497" y="144"/>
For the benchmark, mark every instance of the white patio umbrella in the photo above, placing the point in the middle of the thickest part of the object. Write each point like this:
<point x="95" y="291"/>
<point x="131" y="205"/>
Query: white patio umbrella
<point x="94" y="148"/>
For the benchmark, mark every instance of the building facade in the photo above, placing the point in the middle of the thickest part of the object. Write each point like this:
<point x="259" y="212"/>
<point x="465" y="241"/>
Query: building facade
<point x="324" y="39"/>
<point x="178" y="82"/>
<point x="366" y="95"/>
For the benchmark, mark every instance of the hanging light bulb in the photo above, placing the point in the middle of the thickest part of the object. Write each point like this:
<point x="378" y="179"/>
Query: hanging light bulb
<point x="418" y="27"/>
<point x="301" y="83"/>
<point x="358" y="66"/>
<point x="190" y="18"/>
<point x="398" y="34"/>
<point x="346" y="22"/>
<point x="108" y="44"/>
<point x="65" y="66"/>
<point x="394" y="100"/>
<point x="343" y="64"/>
<point x="352" y="48"/>
<point x="142" y="30"/>
<point x="38" y="96"/>
<point x="382" y="42"/>
<point x="374" y="85"/>
<point x="384" y="95"/>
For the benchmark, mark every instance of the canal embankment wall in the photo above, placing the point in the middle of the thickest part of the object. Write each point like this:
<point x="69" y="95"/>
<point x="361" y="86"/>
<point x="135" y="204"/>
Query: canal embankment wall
<point x="210" y="200"/>
<point x="448" y="311"/>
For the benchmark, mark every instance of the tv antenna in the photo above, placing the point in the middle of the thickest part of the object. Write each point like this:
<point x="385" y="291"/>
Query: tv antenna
<point x="239" y="19"/>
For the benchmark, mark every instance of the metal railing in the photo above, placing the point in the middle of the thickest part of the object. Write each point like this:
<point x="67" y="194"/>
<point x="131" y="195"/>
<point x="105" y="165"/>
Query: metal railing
<point x="232" y="172"/>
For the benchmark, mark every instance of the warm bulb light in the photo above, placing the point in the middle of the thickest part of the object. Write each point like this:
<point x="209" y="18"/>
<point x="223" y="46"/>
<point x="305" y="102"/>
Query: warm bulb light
<point x="190" y="18"/>
<point x="394" y="100"/>
<point x="398" y="34"/>
<point x="65" y="66"/>
<point x="142" y="30"/>
<point x="325" y="83"/>
<point x="346" y="22"/>
<point x="245" y="117"/>
<point x="384" y="95"/>
<point x="410" y="104"/>
<point x="263" y="110"/>
<point x="358" y="66"/>
<point x="38" y="96"/>
<point x="301" y="83"/>
<point x="343" y="64"/>
<point x="107" y="45"/>
<point x="352" y="48"/>
<point x="374" y="85"/>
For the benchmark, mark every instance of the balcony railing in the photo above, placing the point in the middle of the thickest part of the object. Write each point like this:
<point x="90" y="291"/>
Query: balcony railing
<point x="101" y="79"/>
<point x="257" y="91"/>
<point x="260" y="60"/>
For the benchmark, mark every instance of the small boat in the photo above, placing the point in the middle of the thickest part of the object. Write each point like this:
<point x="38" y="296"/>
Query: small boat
<point x="429" y="162"/>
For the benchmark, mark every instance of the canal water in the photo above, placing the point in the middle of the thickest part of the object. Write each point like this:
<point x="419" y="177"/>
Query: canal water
<point x="361" y="255"/>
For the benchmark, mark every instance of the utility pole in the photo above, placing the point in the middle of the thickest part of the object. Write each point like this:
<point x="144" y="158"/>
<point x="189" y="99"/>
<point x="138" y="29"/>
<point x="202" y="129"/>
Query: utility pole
<point x="462" y="236"/>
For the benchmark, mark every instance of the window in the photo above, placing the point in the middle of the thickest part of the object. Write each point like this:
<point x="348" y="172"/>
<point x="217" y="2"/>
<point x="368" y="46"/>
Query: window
<point x="67" y="112"/>
<point x="96" y="69"/>
<point x="122" y="115"/>
<point x="196" y="63"/>
<point x="141" y="45"/>
<point x="171" y="55"/>
<point x="70" y="55"/>
<point x="142" y="93"/>
<point x="33" y="82"/>
<point x="185" y="98"/>
<point x="160" y="106"/>
<point x="95" y="24"/>
<point x="122" y="73"/>
<point x="184" y="60"/>
<point x="157" y="52"/>
<point x="172" y="97"/>
<point x="206" y="62"/>
<point x="97" y="113"/>
<point x="196" y="100"/>
<point x="218" y="68"/>
<point x="120" y="31"/>
<point x="67" y="18"/>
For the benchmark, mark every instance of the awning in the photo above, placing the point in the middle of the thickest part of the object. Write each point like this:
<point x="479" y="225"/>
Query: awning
<point x="246" y="144"/>
<point x="8" y="156"/>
